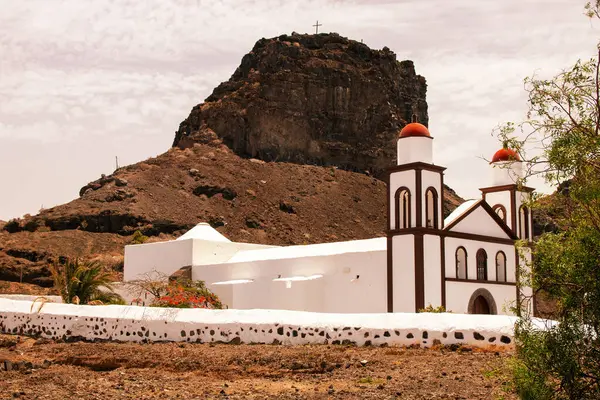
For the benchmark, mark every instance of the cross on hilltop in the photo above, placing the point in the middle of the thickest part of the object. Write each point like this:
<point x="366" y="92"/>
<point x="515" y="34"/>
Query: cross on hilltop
<point x="317" y="25"/>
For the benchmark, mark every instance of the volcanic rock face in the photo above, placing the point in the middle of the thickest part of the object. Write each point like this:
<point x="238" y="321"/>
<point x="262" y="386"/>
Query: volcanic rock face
<point x="312" y="99"/>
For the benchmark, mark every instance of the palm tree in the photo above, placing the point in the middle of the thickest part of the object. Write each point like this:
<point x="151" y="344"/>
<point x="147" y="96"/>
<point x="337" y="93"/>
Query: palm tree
<point x="81" y="282"/>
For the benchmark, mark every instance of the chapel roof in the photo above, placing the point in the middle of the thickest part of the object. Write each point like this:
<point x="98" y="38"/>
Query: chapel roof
<point x="460" y="210"/>
<point x="310" y="250"/>
<point x="204" y="231"/>
<point x="414" y="129"/>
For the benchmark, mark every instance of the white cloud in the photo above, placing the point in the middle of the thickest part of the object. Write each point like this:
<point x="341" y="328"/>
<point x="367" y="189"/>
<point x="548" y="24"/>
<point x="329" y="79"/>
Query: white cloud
<point x="81" y="82"/>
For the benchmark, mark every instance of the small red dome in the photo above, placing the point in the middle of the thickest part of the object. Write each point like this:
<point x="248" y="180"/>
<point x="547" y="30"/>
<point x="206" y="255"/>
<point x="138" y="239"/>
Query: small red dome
<point x="505" y="155"/>
<point x="414" y="129"/>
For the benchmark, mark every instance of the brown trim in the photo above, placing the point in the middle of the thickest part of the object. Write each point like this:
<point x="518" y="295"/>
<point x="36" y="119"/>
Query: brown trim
<point x="419" y="198"/>
<point x="513" y="211"/>
<point x="496" y="265"/>
<point x="466" y="262"/>
<point x="416" y="166"/>
<point x="480" y="282"/>
<point x="390" y="276"/>
<point x="419" y="273"/>
<point x="441" y="205"/>
<point x="527" y="235"/>
<point x="446" y="233"/>
<point x="443" y="270"/>
<point x="499" y="221"/>
<point x="436" y="218"/>
<point x="500" y="206"/>
<point x="397" y="208"/>
<point x="502" y="188"/>
<point x="480" y="238"/>
<point x="388" y="201"/>
<point x="517" y="277"/>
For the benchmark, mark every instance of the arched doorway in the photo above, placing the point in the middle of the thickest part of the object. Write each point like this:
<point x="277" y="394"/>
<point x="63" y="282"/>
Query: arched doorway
<point x="481" y="306"/>
<point x="482" y="302"/>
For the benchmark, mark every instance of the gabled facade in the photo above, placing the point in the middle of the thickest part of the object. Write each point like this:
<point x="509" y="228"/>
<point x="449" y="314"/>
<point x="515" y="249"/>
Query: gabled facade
<point x="467" y="262"/>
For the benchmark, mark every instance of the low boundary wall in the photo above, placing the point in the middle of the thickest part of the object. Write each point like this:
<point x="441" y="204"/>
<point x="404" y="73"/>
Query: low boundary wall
<point x="148" y="324"/>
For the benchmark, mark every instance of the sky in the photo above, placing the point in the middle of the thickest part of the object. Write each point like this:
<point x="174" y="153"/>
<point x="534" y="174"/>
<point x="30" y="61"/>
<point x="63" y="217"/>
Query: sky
<point x="83" y="82"/>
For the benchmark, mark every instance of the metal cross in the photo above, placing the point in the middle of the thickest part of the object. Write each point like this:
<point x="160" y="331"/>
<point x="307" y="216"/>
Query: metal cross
<point x="317" y="25"/>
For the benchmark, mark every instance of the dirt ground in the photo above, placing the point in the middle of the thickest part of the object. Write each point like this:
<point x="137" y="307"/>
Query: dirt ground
<point x="203" y="371"/>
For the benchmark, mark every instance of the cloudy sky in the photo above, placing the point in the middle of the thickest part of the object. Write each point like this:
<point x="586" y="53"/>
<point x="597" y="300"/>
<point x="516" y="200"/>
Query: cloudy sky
<point x="84" y="81"/>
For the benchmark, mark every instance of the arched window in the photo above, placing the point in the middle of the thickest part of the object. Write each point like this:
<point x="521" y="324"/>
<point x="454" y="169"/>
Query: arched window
<point x="431" y="208"/>
<point x="402" y="208"/>
<point x="524" y="222"/>
<point x="500" y="211"/>
<point x="482" y="274"/>
<point x="501" y="266"/>
<point x="461" y="263"/>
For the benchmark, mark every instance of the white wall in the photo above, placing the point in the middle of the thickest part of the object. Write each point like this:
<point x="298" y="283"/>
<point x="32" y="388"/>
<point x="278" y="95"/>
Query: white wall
<point x="334" y="292"/>
<point x="432" y="268"/>
<point x="404" y="273"/>
<point x="458" y="295"/>
<point x="138" y="324"/>
<point x="479" y="222"/>
<point x="451" y="244"/>
<point x="399" y="179"/>
<point x="506" y="173"/>
<point x="415" y="149"/>
<point x="168" y="257"/>
<point x="163" y="257"/>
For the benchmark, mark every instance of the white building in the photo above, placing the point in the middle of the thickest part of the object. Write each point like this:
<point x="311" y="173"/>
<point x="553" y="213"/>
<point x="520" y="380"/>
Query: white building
<point x="466" y="262"/>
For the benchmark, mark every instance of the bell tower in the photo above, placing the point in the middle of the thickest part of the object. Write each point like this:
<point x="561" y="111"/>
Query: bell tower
<point x="507" y="196"/>
<point x="415" y="193"/>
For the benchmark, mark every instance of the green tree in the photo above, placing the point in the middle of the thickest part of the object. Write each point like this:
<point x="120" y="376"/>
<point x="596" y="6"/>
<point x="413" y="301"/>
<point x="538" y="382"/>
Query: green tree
<point x="82" y="283"/>
<point x="563" y="127"/>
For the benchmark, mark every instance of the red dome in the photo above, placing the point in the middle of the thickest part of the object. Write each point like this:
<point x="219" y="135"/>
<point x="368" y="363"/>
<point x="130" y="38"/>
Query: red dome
<point x="505" y="155"/>
<point x="414" y="129"/>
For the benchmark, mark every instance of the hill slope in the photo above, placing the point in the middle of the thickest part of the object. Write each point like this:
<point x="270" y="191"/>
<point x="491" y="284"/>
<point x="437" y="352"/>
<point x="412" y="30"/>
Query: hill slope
<point x="247" y="200"/>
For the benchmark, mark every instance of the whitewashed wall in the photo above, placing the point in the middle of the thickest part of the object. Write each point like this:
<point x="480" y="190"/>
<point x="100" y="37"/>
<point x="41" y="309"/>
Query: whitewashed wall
<point x="163" y="257"/>
<point x="459" y="293"/>
<point x="414" y="149"/>
<point x="479" y="222"/>
<point x="337" y="291"/>
<point x="142" y="324"/>
<point x="404" y="273"/>
<point x="168" y="257"/>
<point x="451" y="244"/>
<point x="432" y="270"/>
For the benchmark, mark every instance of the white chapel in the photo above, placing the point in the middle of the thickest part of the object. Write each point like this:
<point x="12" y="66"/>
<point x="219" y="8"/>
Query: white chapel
<point x="466" y="262"/>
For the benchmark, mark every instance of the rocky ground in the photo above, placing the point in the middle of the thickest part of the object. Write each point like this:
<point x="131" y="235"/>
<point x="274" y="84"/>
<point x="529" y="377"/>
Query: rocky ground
<point x="48" y="370"/>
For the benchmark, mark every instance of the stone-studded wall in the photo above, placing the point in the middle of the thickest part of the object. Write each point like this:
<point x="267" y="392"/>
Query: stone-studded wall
<point x="142" y="324"/>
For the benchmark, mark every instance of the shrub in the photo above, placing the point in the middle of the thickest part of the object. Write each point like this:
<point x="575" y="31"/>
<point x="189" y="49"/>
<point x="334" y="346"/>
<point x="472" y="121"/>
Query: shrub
<point x="185" y="293"/>
<point x="138" y="238"/>
<point x="82" y="282"/>
<point x="432" y="309"/>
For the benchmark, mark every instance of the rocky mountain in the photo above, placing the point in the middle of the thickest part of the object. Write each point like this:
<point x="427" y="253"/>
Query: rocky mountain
<point x="312" y="99"/>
